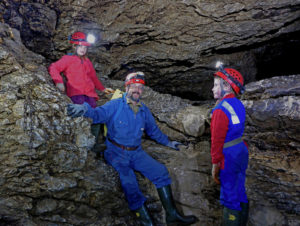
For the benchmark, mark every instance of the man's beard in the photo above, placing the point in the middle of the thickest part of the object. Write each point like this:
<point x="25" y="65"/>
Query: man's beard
<point x="135" y="99"/>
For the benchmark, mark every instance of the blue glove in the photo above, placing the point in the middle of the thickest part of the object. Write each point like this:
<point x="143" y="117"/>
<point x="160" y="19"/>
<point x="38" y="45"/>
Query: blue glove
<point x="174" y="144"/>
<point x="76" y="110"/>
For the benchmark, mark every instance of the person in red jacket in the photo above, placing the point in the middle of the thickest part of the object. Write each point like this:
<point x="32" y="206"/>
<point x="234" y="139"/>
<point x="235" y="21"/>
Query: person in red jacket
<point x="228" y="151"/>
<point x="80" y="75"/>
<point x="79" y="72"/>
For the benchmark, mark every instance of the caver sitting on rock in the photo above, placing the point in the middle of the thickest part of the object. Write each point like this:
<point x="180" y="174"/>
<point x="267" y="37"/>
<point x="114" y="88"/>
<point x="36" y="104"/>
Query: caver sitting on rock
<point x="126" y="119"/>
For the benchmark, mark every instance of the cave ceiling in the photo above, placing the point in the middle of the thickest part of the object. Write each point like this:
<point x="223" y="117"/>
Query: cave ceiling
<point x="176" y="43"/>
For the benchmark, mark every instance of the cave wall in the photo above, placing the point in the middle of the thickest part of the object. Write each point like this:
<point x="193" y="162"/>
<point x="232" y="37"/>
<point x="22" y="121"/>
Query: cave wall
<point x="48" y="174"/>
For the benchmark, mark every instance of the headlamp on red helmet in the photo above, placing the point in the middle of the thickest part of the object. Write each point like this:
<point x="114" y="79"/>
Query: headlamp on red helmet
<point x="80" y="38"/>
<point x="91" y="38"/>
<point x="232" y="76"/>
<point x="136" y="77"/>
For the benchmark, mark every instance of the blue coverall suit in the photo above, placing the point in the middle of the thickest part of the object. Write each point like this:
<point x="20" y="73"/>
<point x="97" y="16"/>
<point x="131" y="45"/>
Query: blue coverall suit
<point x="233" y="175"/>
<point x="126" y="128"/>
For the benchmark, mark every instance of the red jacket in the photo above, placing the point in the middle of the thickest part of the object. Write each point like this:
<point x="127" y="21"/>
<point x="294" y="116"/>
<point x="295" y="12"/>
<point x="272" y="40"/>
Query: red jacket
<point x="80" y="73"/>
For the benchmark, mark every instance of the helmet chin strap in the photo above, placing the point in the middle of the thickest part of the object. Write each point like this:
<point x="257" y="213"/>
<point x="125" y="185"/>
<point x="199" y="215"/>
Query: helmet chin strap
<point x="76" y="47"/>
<point x="223" y="93"/>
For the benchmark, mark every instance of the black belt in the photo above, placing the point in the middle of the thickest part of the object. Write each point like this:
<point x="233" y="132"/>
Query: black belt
<point x="122" y="146"/>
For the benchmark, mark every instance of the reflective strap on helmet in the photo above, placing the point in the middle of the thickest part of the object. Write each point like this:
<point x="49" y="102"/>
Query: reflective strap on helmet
<point x="229" y="108"/>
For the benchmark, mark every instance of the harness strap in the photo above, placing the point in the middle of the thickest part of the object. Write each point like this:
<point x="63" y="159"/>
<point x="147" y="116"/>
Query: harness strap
<point x="233" y="142"/>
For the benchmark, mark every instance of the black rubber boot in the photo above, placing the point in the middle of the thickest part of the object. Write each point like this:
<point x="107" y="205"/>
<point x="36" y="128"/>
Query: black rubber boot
<point x="143" y="216"/>
<point x="244" y="213"/>
<point x="231" y="217"/>
<point x="172" y="215"/>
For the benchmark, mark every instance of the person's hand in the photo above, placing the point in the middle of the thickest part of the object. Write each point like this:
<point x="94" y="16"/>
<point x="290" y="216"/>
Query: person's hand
<point x="174" y="144"/>
<point x="215" y="173"/>
<point x="76" y="110"/>
<point x="108" y="91"/>
<point x="61" y="87"/>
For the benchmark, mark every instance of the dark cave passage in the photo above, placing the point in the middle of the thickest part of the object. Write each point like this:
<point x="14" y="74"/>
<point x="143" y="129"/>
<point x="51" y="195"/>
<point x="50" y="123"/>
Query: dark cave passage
<point x="279" y="57"/>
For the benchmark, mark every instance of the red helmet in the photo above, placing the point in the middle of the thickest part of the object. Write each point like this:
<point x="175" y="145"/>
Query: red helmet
<point x="233" y="77"/>
<point x="79" y="38"/>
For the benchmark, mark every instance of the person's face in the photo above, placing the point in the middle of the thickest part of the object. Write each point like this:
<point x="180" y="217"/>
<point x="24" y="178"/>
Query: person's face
<point x="81" y="50"/>
<point x="217" y="89"/>
<point x="134" y="91"/>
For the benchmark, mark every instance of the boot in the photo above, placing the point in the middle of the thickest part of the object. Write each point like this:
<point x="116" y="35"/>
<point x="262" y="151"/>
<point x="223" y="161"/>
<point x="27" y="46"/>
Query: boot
<point x="244" y="213"/>
<point x="143" y="216"/>
<point x="172" y="215"/>
<point x="231" y="217"/>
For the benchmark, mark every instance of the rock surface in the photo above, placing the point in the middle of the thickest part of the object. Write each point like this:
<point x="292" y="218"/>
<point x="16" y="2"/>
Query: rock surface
<point x="273" y="132"/>
<point x="47" y="174"/>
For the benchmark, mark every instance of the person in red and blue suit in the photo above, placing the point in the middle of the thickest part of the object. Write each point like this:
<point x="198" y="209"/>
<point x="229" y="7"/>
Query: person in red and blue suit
<point x="228" y="151"/>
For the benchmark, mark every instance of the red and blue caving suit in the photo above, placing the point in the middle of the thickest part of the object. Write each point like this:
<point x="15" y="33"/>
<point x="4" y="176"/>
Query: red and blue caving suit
<point x="228" y="150"/>
<point x="126" y="128"/>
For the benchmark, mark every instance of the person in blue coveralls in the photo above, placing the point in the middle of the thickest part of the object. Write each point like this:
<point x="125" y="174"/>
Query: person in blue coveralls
<point x="228" y="151"/>
<point x="127" y="118"/>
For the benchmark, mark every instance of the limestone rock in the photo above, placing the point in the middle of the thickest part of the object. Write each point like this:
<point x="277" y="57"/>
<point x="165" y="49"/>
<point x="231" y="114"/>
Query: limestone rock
<point x="274" y="112"/>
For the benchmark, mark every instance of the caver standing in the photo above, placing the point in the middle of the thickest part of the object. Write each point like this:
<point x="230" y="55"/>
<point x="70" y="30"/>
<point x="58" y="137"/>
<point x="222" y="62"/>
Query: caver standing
<point x="228" y="151"/>
<point x="127" y="118"/>
<point x="80" y="75"/>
